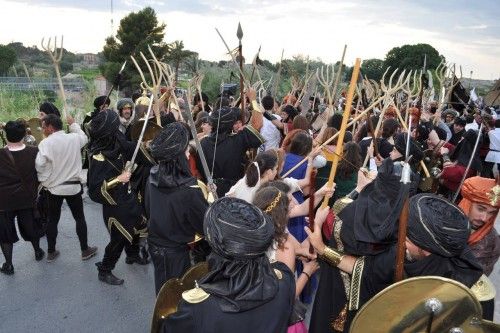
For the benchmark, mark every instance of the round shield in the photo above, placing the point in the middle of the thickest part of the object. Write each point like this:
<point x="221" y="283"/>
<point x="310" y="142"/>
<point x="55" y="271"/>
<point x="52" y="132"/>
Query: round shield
<point x="171" y="293"/>
<point x="152" y="129"/>
<point x="35" y="128"/>
<point x="407" y="306"/>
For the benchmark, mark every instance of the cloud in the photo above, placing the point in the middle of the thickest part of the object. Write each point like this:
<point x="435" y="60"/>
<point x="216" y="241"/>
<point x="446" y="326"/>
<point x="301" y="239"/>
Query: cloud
<point x="466" y="33"/>
<point x="471" y="27"/>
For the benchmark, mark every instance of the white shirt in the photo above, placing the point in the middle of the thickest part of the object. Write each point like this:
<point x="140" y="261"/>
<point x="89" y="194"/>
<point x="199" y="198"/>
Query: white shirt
<point x="271" y="134"/>
<point x="494" y="153"/>
<point x="59" y="160"/>
<point x="474" y="125"/>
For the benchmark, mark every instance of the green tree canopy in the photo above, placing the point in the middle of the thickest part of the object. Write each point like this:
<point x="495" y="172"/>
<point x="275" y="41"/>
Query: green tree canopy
<point x="412" y="57"/>
<point x="8" y="58"/>
<point x="177" y="55"/>
<point x="137" y="30"/>
<point x="373" y="68"/>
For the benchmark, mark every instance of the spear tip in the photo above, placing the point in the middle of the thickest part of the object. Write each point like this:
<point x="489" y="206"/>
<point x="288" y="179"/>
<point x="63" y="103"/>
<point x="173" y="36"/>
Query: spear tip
<point x="239" y="32"/>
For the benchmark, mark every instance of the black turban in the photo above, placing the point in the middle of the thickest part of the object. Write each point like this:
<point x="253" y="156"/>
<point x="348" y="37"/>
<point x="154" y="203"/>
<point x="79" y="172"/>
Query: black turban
<point x="240" y="273"/>
<point x="49" y="108"/>
<point x="415" y="151"/>
<point x="104" y="124"/>
<point x="437" y="226"/>
<point x="103" y="128"/>
<point x="100" y="101"/>
<point x="222" y="120"/>
<point x="171" y="142"/>
<point x="168" y="149"/>
<point x="441" y="228"/>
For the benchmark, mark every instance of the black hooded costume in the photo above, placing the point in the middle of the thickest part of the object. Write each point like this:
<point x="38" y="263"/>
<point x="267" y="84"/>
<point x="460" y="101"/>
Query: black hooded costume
<point x="434" y="225"/>
<point x="122" y="211"/>
<point x="175" y="203"/>
<point x="230" y="148"/>
<point x="242" y="291"/>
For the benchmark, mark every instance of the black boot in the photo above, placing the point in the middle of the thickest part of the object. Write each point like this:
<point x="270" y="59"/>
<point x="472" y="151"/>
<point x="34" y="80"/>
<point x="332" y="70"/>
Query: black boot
<point x="7" y="269"/>
<point x="109" y="278"/>
<point x="137" y="259"/>
<point x="39" y="254"/>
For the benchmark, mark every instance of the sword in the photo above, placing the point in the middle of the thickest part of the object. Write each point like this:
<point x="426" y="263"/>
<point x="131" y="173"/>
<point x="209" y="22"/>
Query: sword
<point x="130" y="165"/>
<point x="201" y="154"/>
<point x="113" y="85"/>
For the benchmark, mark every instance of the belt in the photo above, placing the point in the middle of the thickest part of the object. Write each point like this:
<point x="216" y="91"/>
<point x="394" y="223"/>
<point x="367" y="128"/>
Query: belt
<point x="71" y="182"/>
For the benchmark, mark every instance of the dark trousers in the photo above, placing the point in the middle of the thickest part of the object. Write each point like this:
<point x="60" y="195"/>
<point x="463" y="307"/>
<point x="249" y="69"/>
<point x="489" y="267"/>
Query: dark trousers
<point x="75" y="204"/>
<point x="168" y="263"/>
<point x="112" y="252"/>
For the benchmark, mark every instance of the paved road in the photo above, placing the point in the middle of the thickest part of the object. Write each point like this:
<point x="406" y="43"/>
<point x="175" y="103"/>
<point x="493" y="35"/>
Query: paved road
<point x="65" y="296"/>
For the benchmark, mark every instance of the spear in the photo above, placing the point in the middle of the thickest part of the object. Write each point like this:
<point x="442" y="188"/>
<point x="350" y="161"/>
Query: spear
<point x="343" y="127"/>
<point x="115" y="83"/>
<point x="239" y="34"/>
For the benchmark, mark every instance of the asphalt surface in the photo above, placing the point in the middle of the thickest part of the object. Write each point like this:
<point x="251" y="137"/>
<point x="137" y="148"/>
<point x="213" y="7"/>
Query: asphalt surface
<point x="66" y="296"/>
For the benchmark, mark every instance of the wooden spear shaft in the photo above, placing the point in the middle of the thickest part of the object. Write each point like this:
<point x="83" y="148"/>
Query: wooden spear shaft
<point x="347" y="112"/>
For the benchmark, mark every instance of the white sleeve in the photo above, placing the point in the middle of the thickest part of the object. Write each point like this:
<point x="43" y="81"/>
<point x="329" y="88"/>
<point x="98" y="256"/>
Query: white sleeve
<point x="75" y="128"/>
<point x="293" y="183"/>
<point x="43" y="165"/>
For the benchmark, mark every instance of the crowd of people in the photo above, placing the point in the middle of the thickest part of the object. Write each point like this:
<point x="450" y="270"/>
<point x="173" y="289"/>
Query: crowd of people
<point x="254" y="224"/>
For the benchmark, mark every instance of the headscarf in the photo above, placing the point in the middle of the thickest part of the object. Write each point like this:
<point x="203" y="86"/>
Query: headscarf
<point x="441" y="228"/>
<point x="365" y="230"/>
<point x="49" y="108"/>
<point x="168" y="148"/>
<point x="463" y="151"/>
<point x="103" y="128"/>
<point x="480" y="190"/>
<point x="240" y="274"/>
<point x="400" y="141"/>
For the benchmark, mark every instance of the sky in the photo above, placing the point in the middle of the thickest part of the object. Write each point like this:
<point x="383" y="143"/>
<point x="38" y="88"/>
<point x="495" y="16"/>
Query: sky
<point x="465" y="32"/>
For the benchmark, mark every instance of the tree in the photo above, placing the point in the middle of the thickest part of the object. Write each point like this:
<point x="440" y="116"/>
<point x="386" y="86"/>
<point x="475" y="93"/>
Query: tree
<point x="137" y="31"/>
<point x="177" y="55"/>
<point x="412" y="57"/>
<point x="373" y="69"/>
<point x="8" y="58"/>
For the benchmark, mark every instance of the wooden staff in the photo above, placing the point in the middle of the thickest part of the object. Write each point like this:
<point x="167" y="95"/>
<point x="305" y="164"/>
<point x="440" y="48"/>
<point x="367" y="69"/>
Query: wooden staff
<point x="347" y="112"/>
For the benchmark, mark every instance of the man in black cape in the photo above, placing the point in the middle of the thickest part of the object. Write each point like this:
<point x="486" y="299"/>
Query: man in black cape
<point x="230" y="148"/>
<point x="242" y="292"/>
<point x="436" y="244"/>
<point x="175" y="203"/>
<point x="108" y="184"/>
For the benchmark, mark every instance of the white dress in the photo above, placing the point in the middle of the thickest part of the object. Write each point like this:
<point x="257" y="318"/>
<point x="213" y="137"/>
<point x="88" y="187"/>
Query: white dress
<point x="494" y="153"/>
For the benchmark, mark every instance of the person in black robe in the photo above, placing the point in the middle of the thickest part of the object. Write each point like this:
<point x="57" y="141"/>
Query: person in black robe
<point x="108" y="184"/>
<point x="230" y="148"/>
<point x="175" y="203"/>
<point x="436" y="244"/>
<point x="242" y="292"/>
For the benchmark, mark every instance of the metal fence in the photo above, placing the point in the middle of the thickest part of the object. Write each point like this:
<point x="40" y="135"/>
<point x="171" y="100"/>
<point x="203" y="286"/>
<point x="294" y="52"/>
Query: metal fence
<point x="23" y="83"/>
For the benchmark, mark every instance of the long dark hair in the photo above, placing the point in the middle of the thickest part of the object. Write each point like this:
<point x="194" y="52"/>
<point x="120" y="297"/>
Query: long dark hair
<point x="301" y="144"/>
<point x="352" y="154"/>
<point x="274" y="203"/>
<point x="267" y="160"/>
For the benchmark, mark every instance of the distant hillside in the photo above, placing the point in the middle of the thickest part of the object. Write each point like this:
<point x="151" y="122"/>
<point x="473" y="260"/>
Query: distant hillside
<point x="39" y="64"/>
<point x="482" y="86"/>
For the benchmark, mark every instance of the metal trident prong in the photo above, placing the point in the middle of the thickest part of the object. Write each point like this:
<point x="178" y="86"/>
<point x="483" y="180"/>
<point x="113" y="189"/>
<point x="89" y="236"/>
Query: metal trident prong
<point x="56" y="59"/>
